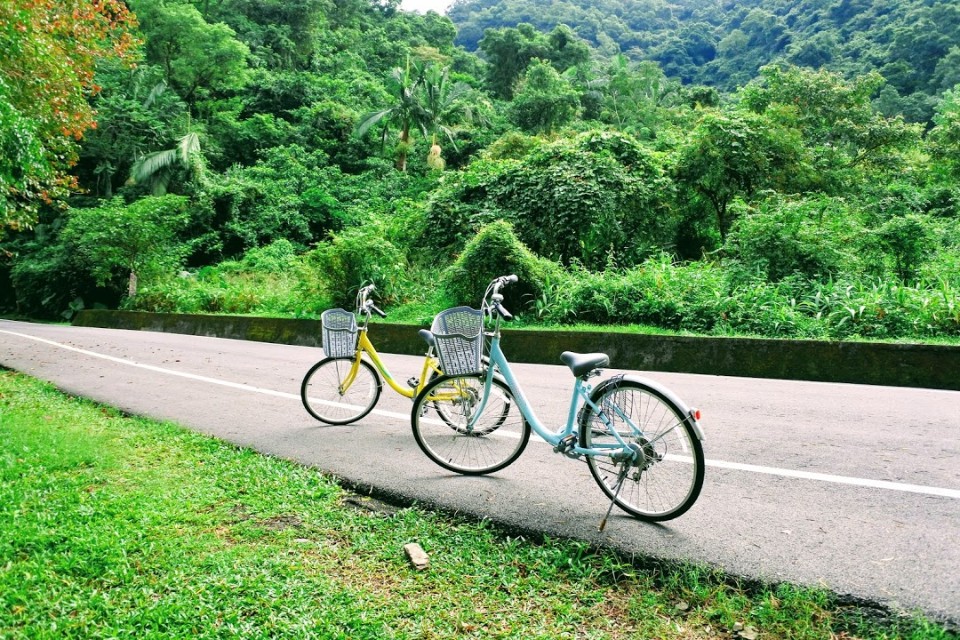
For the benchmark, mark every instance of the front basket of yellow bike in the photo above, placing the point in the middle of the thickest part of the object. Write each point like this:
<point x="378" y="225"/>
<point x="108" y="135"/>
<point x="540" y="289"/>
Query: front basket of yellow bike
<point x="339" y="333"/>
<point x="459" y="340"/>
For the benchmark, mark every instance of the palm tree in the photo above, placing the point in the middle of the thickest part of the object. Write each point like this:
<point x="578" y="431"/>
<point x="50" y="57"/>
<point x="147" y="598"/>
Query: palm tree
<point x="156" y="168"/>
<point x="444" y="105"/>
<point x="426" y="100"/>
<point x="406" y="112"/>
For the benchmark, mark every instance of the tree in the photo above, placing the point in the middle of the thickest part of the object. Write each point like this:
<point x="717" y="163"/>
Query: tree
<point x="405" y="113"/>
<point x="136" y="113"/>
<point x="445" y="104"/>
<point x="155" y="168"/>
<point x="736" y="154"/>
<point x="140" y="238"/>
<point x="48" y="52"/>
<point x="836" y="120"/>
<point x="424" y="98"/>
<point x="634" y="96"/>
<point x="544" y="101"/>
<point x="944" y="138"/>
<point x="594" y="198"/>
<point x="281" y="33"/>
<point x="510" y="51"/>
<point x="198" y="58"/>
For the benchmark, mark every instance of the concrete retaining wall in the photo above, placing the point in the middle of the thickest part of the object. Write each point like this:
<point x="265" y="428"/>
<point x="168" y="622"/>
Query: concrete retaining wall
<point x="904" y="365"/>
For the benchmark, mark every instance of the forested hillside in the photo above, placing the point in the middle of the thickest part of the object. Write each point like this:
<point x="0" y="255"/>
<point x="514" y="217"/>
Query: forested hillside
<point x="915" y="44"/>
<point x="633" y="163"/>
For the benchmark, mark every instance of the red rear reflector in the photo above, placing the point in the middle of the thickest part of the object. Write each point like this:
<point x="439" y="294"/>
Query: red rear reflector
<point x="696" y="415"/>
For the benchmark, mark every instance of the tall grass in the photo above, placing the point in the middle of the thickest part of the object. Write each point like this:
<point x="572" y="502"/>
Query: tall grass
<point x="702" y="297"/>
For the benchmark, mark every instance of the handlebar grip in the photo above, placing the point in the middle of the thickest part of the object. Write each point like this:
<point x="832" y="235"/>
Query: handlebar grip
<point x="377" y="311"/>
<point x="510" y="279"/>
<point x="503" y="312"/>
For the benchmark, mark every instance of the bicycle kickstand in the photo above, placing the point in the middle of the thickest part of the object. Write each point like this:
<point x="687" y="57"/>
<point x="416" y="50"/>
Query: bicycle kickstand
<point x="621" y="477"/>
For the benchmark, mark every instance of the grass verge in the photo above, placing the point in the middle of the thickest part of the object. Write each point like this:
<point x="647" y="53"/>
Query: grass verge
<point x="120" y="527"/>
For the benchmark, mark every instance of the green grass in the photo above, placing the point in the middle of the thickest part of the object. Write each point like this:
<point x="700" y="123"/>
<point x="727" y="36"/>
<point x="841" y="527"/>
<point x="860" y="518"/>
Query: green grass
<point x="119" y="527"/>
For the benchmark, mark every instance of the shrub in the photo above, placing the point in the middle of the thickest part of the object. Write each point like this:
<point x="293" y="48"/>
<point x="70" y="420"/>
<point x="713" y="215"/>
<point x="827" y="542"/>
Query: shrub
<point x="358" y="256"/>
<point x="599" y="198"/>
<point x="496" y="251"/>
<point x="780" y="237"/>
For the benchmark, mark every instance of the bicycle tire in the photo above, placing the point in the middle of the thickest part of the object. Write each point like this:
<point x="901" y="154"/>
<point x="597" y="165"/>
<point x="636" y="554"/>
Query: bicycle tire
<point x="497" y="439"/>
<point x="665" y="481"/>
<point x="320" y="391"/>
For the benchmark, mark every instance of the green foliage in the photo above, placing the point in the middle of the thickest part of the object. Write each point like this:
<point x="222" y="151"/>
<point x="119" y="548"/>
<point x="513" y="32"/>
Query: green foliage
<point x="140" y="239"/>
<point x="846" y="139"/>
<point x="424" y="98"/>
<point x="813" y="237"/>
<point x="510" y="51"/>
<point x="543" y="101"/>
<point x="911" y="43"/>
<point x="596" y="198"/>
<point x="288" y="194"/>
<point x="22" y="163"/>
<point x="278" y="32"/>
<point x="497" y="251"/>
<point x="199" y="59"/>
<point x="137" y="114"/>
<point x="738" y="153"/>
<point x="909" y="241"/>
<point x="710" y="298"/>
<point x="355" y="257"/>
<point x="49" y="51"/>
<point x="944" y="138"/>
<point x="51" y="280"/>
<point x="805" y="182"/>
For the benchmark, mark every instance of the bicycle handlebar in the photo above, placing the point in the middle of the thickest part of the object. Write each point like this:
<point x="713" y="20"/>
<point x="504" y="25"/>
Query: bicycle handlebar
<point x="493" y="299"/>
<point x="365" y="305"/>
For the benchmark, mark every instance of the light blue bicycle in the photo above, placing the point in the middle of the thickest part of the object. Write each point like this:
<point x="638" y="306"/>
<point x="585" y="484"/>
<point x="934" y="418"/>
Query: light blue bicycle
<point x="640" y="441"/>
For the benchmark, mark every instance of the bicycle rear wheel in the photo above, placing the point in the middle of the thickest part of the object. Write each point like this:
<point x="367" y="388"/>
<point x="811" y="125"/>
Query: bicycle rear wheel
<point x="449" y="431"/>
<point x="664" y="479"/>
<point x="323" y="398"/>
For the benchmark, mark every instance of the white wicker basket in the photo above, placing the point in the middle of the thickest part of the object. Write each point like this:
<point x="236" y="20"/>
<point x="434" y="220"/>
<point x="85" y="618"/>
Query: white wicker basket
<point x="339" y="333"/>
<point x="459" y="340"/>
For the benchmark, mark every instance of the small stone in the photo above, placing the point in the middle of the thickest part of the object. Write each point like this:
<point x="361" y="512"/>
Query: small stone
<point x="683" y="606"/>
<point x="749" y="634"/>
<point x="737" y="627"/>
<point x="418" y="557"/>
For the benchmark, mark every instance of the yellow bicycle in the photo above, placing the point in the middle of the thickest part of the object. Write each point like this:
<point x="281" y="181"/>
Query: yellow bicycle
<point x="344" y="387"/>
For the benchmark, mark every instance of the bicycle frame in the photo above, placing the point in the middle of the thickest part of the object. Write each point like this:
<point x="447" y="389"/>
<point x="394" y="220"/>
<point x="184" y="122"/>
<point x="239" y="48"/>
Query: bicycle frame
<point x="580" y="396"/>
<point x="365" y="346"/>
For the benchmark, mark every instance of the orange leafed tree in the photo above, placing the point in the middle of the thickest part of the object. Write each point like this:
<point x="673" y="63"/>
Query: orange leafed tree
<point x="49" y="50"/>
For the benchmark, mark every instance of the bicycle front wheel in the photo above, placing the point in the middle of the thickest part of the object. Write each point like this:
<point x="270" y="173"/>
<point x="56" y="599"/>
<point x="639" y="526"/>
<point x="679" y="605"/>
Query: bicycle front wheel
<point x="664" y="475"/>
<point x="325" y="399"/>
<point x="459" y="432"/>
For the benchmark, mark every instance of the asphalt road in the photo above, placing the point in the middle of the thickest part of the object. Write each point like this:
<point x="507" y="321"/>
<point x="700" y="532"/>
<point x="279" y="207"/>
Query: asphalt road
<point x="848" y="487"/>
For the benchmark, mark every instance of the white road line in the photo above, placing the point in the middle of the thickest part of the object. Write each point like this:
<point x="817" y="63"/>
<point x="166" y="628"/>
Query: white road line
<point x="719" y="464"/>
<point x="826" y="477"/>
<point x="189" y="376"/>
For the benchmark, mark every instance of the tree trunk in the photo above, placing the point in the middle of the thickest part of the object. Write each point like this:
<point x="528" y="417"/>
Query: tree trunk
<point x="402" y="152"/>
<point x="132" y="286"/>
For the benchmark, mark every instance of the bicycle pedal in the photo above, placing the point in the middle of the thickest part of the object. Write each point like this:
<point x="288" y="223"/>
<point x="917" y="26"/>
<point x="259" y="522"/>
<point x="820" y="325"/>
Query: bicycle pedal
<point x="566" y="443"/>
<point x="413" y="383"/>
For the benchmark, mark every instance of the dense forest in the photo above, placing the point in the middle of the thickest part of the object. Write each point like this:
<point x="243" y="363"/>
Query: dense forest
<point x="914" y="44"/>
<point x="763" y="167"/>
